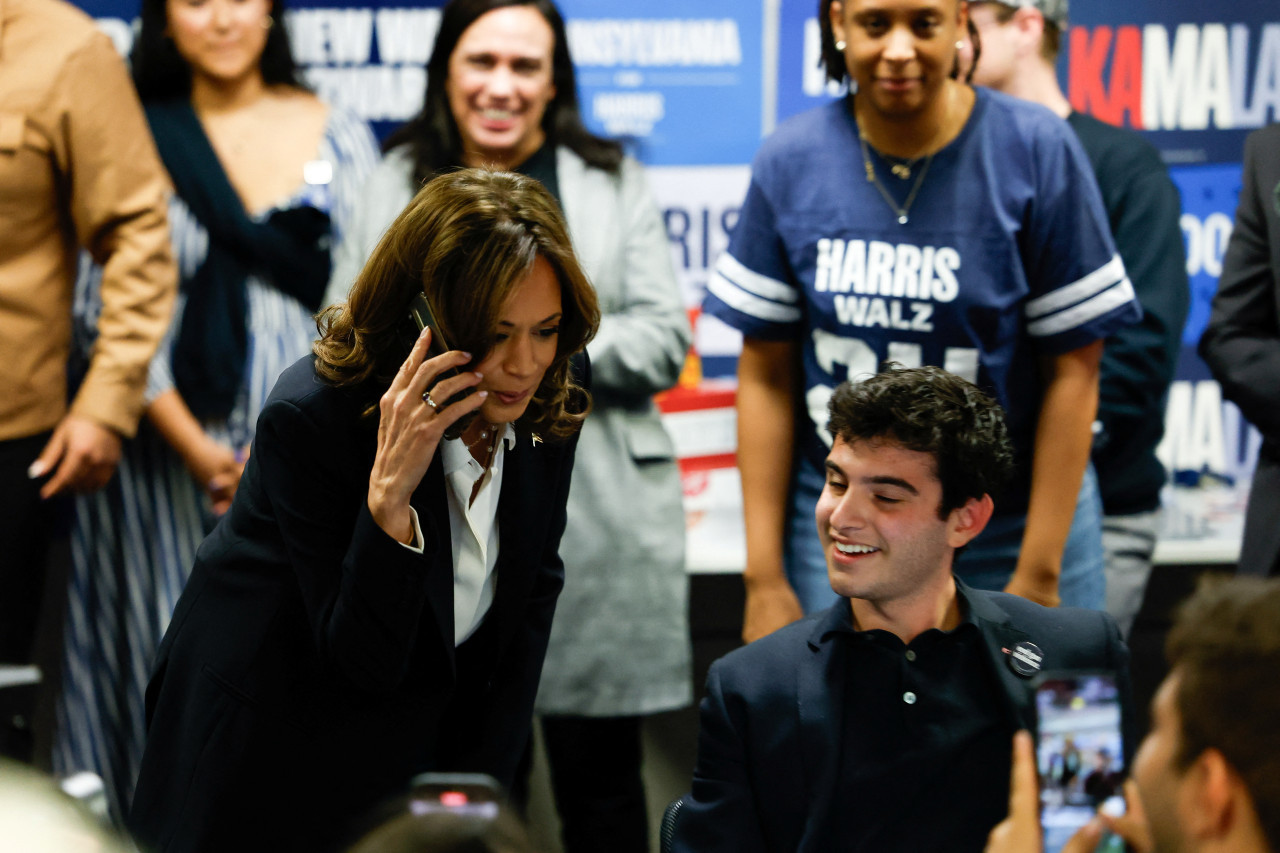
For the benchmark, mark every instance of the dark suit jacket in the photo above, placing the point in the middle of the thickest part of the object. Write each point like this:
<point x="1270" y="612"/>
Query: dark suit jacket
<point x="310" y="667"/>
<point x="1242" y="340"/>
<point x="771" y="723"/>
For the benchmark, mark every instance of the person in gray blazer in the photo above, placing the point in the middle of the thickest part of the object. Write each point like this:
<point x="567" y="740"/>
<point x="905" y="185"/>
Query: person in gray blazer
<point x="501" y="92"/>
<point x="1241" y="343"/>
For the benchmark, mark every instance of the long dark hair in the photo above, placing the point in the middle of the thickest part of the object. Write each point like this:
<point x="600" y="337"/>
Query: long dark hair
<point x="432" y="136"/>
<point x="160" y="72"/>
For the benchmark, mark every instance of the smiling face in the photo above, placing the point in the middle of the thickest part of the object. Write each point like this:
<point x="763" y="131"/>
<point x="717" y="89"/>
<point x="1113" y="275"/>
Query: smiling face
<point x="499" y="85"/>
<point x="527" y="337"/>
<point x="222" y="40"/>
<point x="879" y="525"/>
<point x="899" y="53"/>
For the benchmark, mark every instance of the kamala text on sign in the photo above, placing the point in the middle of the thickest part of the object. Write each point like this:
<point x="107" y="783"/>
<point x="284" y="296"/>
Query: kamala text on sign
<point x="1189" y="77"/>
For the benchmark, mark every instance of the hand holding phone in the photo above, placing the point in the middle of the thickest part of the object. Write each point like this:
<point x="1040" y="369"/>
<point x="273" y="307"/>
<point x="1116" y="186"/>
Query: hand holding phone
<point x="1080" y="753"/>
<point x="422" y="317"/>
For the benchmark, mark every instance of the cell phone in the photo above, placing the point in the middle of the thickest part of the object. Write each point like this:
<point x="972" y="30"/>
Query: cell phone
<point x="475" y="794"/>
<point x="1079" y="754"/>
<point x="423" y="317"/>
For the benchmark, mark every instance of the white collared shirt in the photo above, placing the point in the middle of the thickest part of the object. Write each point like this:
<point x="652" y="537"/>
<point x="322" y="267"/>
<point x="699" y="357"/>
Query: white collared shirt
<point x="473" y="529"/>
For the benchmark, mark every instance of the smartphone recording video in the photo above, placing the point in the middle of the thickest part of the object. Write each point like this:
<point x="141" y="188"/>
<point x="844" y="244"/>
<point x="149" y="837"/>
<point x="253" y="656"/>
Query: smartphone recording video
<point x="1079" y="753"/>
<point x="473" y="794"/>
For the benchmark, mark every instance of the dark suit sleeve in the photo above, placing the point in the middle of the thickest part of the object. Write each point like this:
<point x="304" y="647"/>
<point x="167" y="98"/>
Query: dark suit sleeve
<point x="363" y="592"/>
<point x="1139" y="360"/>
<point x="719" y="814"/>
<point x="1241" y="343"/>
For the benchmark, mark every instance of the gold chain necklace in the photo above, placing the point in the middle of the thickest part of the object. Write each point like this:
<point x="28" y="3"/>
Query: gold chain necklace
<point x="904" y="209"/>
<point x="901" y="168"/>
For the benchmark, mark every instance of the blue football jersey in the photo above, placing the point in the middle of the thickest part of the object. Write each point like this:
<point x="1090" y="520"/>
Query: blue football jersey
<point x="1005" y="255"/>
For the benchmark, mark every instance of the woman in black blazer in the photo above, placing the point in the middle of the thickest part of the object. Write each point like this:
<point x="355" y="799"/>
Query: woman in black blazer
<point x="377" y="601"/>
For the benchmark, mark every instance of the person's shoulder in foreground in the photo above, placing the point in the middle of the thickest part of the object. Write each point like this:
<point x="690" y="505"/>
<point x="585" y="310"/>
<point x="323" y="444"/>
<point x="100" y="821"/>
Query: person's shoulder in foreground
<point x="1207" y="775"/>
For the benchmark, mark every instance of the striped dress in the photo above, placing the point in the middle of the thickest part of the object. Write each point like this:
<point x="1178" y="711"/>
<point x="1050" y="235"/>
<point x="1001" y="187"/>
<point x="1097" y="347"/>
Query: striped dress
<point x="134" y="542"/>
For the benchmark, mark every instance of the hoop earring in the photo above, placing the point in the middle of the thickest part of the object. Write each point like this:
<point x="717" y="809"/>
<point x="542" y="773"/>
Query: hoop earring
<point x="841" y="45"/>
<point x="268" y="22"/>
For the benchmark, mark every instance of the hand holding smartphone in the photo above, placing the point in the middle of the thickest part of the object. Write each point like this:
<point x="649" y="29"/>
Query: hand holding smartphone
<point x="1079" y="752"/>
<point x="421" y="315"/>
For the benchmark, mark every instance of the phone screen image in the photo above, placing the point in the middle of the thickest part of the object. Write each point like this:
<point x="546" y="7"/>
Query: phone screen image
<point x="1079" y="754"/>
<point x="470" y="794"/>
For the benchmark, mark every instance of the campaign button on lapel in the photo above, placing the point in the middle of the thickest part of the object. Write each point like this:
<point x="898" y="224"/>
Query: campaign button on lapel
<point x="1025" y="659"/>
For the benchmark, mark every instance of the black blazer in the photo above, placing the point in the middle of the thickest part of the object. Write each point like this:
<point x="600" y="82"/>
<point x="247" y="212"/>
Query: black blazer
<point x="1241" y="343"/>
<point x="772" y="721"/>
<point x="310" y="669"/>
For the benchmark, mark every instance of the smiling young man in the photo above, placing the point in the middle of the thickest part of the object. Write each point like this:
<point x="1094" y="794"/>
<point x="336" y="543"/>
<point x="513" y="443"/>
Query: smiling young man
<point x="884" y="722"/>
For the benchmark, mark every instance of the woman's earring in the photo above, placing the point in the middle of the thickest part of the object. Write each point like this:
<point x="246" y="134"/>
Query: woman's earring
<point x="268" y="22"/>
<point x="960" y="44"/>
<point x="840" y="45"/>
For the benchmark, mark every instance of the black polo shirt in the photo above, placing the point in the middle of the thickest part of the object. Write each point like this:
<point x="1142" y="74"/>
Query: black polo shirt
<point x="926" y="745"/>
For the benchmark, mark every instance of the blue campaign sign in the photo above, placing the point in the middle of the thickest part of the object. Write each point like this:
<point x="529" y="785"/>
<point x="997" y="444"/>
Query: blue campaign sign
<point x="682" y="80"/>
<point x="802" y="83"/>
<point x="1209" y="196"/>
<point x="1194" y="76"/>
<point x="366" y="57"/>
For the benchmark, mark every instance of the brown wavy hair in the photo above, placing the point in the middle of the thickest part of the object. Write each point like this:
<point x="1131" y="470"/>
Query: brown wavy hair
<point x="467" y="240"/>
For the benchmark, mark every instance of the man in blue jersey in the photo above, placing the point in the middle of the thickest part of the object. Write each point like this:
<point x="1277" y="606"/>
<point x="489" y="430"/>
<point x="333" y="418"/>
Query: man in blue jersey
<point x="885" y="722"/>
<point x="1020" y="41"/>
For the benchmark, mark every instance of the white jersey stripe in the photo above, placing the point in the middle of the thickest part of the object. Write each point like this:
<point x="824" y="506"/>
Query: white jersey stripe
<point x="1078" y="291"/>
<point x="753" y="282"/>
<point x="740" y="300"/>
<point x="1078" y="315"/>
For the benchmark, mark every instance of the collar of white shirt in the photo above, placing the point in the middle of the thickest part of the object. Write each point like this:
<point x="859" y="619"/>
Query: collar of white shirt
<point x="455" y="455"/>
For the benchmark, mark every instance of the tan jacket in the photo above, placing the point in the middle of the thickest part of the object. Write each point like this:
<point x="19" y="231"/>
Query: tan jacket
<point x="78" y="168"/>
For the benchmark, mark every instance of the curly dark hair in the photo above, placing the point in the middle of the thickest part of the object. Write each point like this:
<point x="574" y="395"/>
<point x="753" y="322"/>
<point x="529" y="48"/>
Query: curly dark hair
<point x="1225" y="647"/>
<point x="929" y="410"/>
